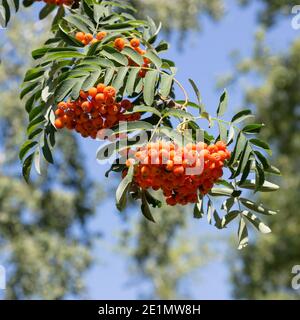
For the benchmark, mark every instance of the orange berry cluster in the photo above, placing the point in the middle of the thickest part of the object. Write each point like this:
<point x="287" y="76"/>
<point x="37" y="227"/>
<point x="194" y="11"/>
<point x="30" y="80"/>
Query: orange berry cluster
<point x="164" y="165"/>
<point x="134" y="43"/>
<point x="88" y="38"/>
<point x="94" y="110"/>
<point x="58" y="2"/>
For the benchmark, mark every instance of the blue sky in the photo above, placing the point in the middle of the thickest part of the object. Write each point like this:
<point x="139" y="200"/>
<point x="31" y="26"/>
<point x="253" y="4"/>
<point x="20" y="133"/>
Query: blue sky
<point x="205" y="58"/>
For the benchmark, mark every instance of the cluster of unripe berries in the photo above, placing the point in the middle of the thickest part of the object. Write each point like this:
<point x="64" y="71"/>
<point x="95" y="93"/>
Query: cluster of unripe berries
<point x="93" y="111"/>
<point x="88" y="38"/>
<point x="178" y="171"/>
<point x="58" y="2"/>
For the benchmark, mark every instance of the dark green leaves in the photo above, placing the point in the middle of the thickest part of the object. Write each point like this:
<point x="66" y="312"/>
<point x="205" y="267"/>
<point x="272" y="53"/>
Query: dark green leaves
<point x="121" y="193"/>
<point x="6" y="7"/>
<point x="146" y="209"/>
<point x="241" y="116"/>
<point x="253" y="128"/>
<point x="196" y="90"/>
<point x="149" y="86"/>
<point x="222" y="104"/>
<point x="114" y="55"/>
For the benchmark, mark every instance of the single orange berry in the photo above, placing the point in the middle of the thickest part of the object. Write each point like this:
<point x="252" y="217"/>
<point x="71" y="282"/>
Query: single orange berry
<point x="80" y="36"/>
<point x="101" y="35"/>
<point x="100" y="87"/>
<point x="59" y="112"/>
<point x="59" y="123"/>
<point x="92" y="92"/>
<point x="88" y="37"/>
<point x="119" y="44"/>
<point x="109" y="91"/>
<point x="135" y="42"/>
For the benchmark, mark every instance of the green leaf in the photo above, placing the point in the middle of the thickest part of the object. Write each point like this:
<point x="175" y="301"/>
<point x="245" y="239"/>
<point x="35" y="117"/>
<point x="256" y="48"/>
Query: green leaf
<point x="221" y="192"/>
<point x="133" y="55"/>
<point x="27" y="167"/>
<point x="99" y="11"/>
<point x="166" y="85"/>
<point x="162" y="46"/>
<point x="154" y="58"/>
<point x="118" y="26"/>
<point x="242" y="234"/>
<point x="261" y="144"/>
<point x="178" y="113"/>
<point x="175" y="135"/>
<point x="146" y="109"/>
<point x="262" y="159"/>
<point x="243" y="160"/>
<point x="266" y="187"/>
<point x="132" y="76"/>
<point x="91" y="80"/>
<point x="63" y="55"/>
<point x="246" y="171"/>
<point x="149" y="86"/>
<point x="109" y="75"/>
<point x="218" y="221"/>
<point x="258" y="224"/>
<point x="121" y="193"/>
<point x="273" y="170"/>
<point x="253" y="128"/>
<point x="46" y="150"/>
<point x="67" y="38"/>
<point x="222" y="104"/>
<point x="118" y="81"/>
<point x="146" y="209"/>
<point x="196" y="90"/>
<point x="65" y="88"/>
<point x="33" y="74"/>
<point x="198" y="209"/>
<point x="78" y="23"/>
<point x="151" y="200"/>
<point x="132" y="126"/>
<point x="115" y="55"/>
<point x="229" y="217"/>
<point x="36" y="111"/>
<point x="29" y="89"/>
<point x="37" y="160"/>
<point x="26" y="147"/>
<point x="241" y="116"/>
<point x="238" y="149"/>
<point x="222" y="131"/>
<point x="102" y="62"/>
<point x="260" y="208"/>
<point x="47" y="9"/>
<point x="36" y="121"/>
<point x="259" y="176"/>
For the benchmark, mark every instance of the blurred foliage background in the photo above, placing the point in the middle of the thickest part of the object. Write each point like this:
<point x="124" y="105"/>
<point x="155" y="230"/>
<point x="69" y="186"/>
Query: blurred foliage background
<point x="43" y="235"/>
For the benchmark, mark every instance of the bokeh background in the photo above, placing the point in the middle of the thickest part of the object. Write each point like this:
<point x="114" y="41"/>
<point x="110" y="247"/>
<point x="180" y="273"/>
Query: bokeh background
<point x="62" y="237"/>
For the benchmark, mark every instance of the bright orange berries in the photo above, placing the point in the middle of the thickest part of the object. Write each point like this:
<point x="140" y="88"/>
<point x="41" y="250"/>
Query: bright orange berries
<point x="179" y="171"/>
<point x="119" y="44"/>
<point x="88" y="38"/>
<point x="93" y="111"/>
